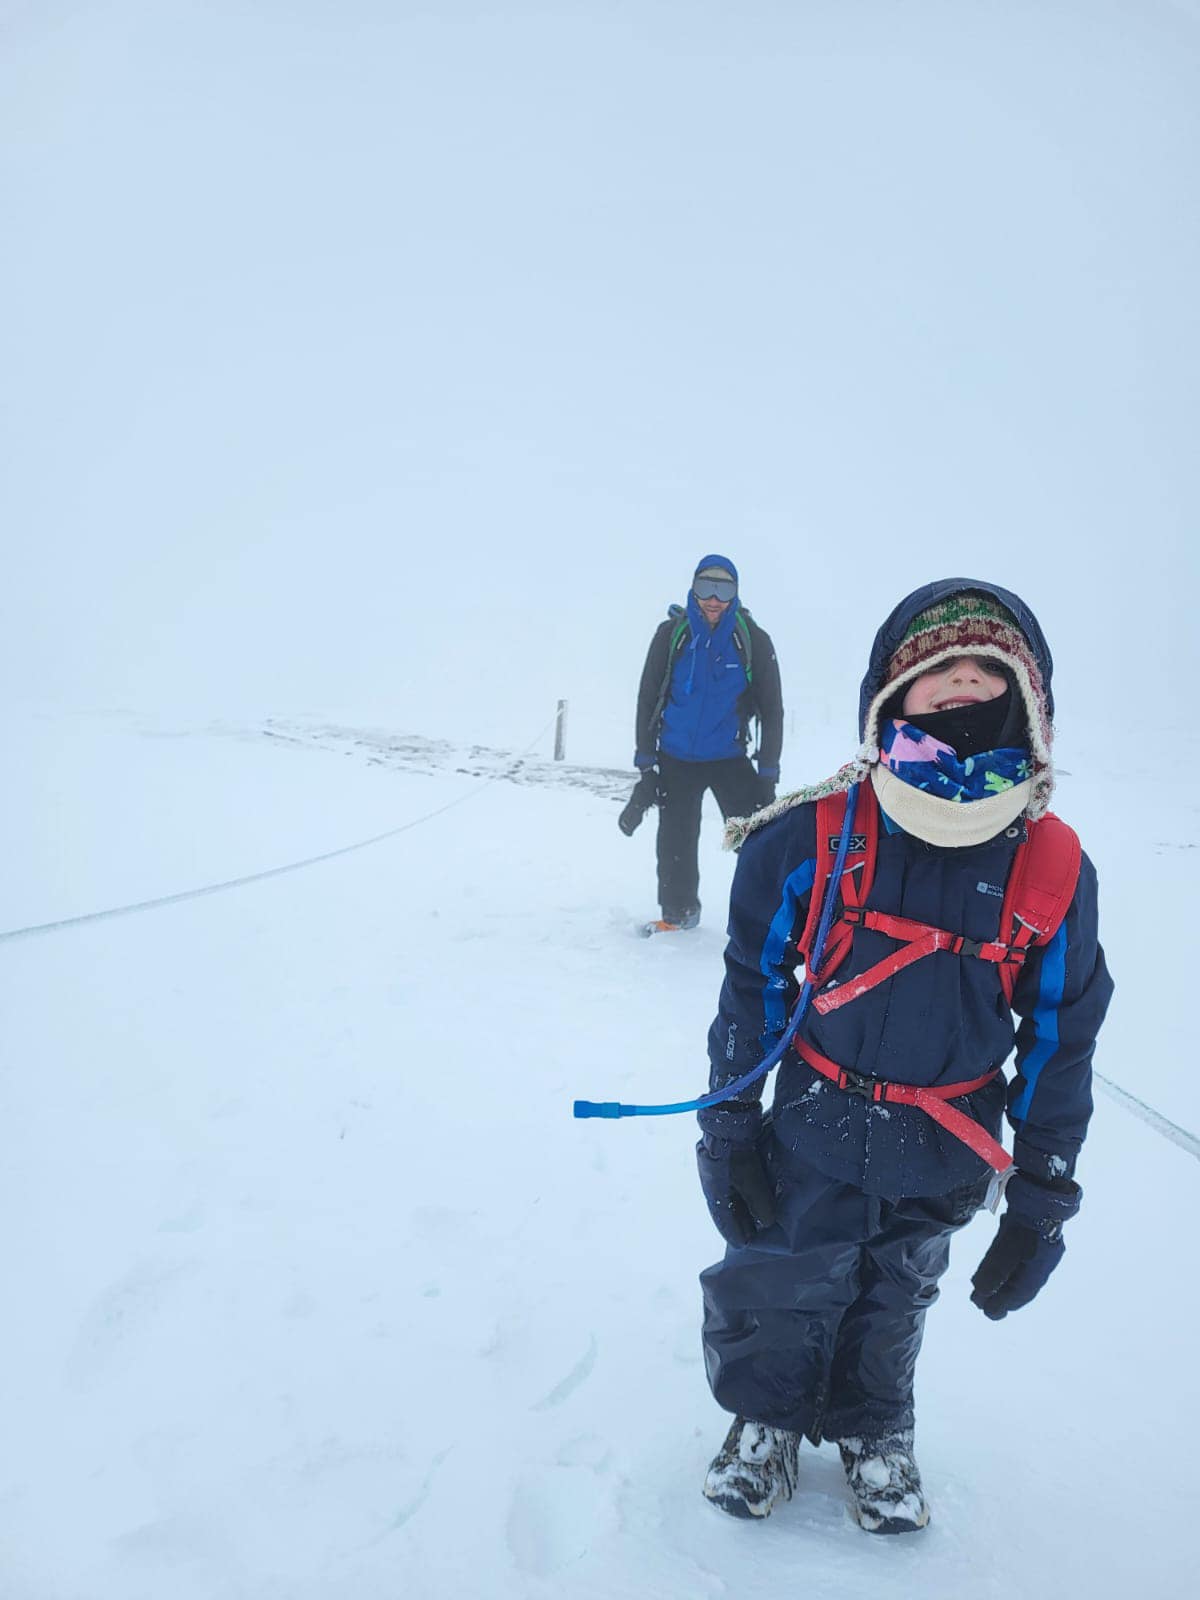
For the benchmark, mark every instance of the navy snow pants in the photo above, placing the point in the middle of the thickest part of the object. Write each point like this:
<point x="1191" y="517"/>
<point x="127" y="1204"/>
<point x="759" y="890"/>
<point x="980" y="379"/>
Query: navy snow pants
<point x="818" y="1325"/>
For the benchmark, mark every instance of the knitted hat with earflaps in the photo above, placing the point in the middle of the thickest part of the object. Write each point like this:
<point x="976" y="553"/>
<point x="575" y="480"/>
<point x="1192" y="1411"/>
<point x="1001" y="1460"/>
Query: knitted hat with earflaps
<point x="971" y="625"/>
<point x="961" y="619"/>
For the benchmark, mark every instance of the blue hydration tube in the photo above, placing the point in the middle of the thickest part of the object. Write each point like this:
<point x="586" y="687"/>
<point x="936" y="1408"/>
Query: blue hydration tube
<point x="614" y="1108"/>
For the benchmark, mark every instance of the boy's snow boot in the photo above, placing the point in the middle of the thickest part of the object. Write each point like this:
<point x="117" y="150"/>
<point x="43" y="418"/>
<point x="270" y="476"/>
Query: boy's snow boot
<point x="753" y="1470"/>
<point x="885" y="1483"/>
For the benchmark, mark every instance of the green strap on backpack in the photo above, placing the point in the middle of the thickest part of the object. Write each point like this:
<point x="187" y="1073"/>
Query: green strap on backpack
<point x="741" y="629"/>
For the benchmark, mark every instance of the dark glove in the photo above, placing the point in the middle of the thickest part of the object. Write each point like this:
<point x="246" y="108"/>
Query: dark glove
<point x="768" y="780"/>
<point x="1028" y="1245"/>
<point x="737" y="1187"/>
<point x="645" y="795"/>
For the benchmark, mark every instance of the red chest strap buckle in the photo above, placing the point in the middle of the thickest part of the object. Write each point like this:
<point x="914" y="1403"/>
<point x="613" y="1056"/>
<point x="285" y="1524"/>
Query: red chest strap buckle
<point x="916" y="940"/>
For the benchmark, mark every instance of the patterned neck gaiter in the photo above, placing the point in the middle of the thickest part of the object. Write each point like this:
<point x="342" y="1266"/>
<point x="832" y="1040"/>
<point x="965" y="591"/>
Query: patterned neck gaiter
<point x="927" y="763"/>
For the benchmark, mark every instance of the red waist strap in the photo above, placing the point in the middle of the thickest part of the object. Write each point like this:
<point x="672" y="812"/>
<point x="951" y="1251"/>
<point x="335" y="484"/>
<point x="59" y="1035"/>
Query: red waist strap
<point x="931" y="1101"/>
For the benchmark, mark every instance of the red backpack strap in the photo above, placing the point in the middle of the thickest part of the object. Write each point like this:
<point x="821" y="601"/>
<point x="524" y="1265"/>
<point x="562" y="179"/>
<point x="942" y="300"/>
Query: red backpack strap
<point x="1041" y="886"/>
<point x="858" y="873"/>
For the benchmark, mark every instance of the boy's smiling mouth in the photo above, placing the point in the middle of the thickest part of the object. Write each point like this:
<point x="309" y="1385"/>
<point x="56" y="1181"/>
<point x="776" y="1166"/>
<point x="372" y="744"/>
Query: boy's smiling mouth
<point x="953" y="703"/>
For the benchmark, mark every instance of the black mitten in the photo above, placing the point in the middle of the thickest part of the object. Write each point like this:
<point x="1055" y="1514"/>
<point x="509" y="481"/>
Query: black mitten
<point x="1028" y="1245"/>
<point x="645" y="795"/>
<point x="737" y="1187"/>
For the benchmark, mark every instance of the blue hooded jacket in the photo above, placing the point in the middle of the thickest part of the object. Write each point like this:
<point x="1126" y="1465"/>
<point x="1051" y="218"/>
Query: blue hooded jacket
<point x="942" y="1020"/>
<point x="701" y="720"/>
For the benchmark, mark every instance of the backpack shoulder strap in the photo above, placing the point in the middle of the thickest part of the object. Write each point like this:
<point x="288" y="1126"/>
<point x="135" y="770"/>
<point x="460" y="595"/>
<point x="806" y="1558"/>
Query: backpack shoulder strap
<point x="741" y="629"/>
<point x="1041" y="886"/>
<point x="676" y="639"/>
<point x="858" y="874"/>
<point x="678" y="635"/>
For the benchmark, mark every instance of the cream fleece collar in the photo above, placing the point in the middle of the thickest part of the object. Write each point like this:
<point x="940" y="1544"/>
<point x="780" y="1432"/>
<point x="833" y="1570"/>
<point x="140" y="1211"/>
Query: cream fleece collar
<point x="927" y="816"/>
<point x="951" y="824"/>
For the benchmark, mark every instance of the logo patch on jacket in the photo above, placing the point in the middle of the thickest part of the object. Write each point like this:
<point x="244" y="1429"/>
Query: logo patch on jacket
<point x="858" y="843"/>
<point x="990" y="888"/>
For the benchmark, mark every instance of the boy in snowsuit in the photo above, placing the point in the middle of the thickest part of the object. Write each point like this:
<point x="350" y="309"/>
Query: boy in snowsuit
<point x="709" y="672"/>
<point x="839" y="1206"/>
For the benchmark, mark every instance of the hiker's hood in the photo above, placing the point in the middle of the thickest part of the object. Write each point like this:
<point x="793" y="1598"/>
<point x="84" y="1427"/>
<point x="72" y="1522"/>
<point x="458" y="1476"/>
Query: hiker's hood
<point x="717" y="561"/>
<point x="715" y="641"/>
<point x="891" y="634"/>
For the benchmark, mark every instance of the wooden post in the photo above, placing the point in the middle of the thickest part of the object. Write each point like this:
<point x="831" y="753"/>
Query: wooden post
<point x="560" y="731"/>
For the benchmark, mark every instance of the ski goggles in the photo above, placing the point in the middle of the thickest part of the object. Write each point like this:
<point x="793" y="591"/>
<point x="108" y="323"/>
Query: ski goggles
<point x="714" y="589"/>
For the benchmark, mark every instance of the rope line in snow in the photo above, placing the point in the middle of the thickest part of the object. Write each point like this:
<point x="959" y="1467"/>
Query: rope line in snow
<point x="1153" y="1119"/>
<point x="1147" y="1114"/>
<point x="256" y="877"/>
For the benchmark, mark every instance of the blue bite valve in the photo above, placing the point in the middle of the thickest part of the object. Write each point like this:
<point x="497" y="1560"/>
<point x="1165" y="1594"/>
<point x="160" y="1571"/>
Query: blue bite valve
<point x="614" y="1109"/>
<point x="597" y="1108"/>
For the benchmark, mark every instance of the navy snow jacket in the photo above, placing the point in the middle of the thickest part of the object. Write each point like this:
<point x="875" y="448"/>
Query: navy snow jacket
<point x="942" y="1020"/>
<point x="695" y="702"/>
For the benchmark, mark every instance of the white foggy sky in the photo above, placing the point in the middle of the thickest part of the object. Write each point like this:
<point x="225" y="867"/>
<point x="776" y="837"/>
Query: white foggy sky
<point x="400" y="360"/>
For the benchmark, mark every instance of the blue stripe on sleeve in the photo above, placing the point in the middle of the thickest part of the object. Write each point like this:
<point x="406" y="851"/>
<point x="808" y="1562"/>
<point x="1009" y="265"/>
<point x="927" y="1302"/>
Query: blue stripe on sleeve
<point x="774" y="949"/>
<point x="1045" y="1019"/>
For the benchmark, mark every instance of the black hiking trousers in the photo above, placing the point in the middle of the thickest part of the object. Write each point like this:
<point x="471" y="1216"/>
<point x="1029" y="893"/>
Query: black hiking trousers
<point x="682" y="785"/>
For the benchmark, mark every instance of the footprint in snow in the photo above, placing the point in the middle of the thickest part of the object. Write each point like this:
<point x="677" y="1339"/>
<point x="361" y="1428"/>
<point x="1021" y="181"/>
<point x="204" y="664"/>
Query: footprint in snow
<point x="555" y="1519"/>
<point x="122" y="1314"/>
<point x="579" y="1374"/>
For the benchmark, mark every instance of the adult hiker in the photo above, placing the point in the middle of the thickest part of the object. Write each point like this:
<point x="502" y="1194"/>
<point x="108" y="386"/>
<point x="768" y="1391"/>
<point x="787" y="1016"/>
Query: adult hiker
<point x="710" y="672"/>
<point x="964" y="922"/>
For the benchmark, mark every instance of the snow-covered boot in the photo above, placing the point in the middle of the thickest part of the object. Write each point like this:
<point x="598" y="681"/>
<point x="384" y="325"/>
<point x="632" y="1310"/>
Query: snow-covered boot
<point x="753" y="1470"/>
<point x="885" y="1483"/>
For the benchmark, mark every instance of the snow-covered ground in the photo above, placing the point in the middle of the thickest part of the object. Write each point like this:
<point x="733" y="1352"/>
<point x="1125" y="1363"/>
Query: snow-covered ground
<point x="376" y="372"/>
<point x="314" y="1288"/>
